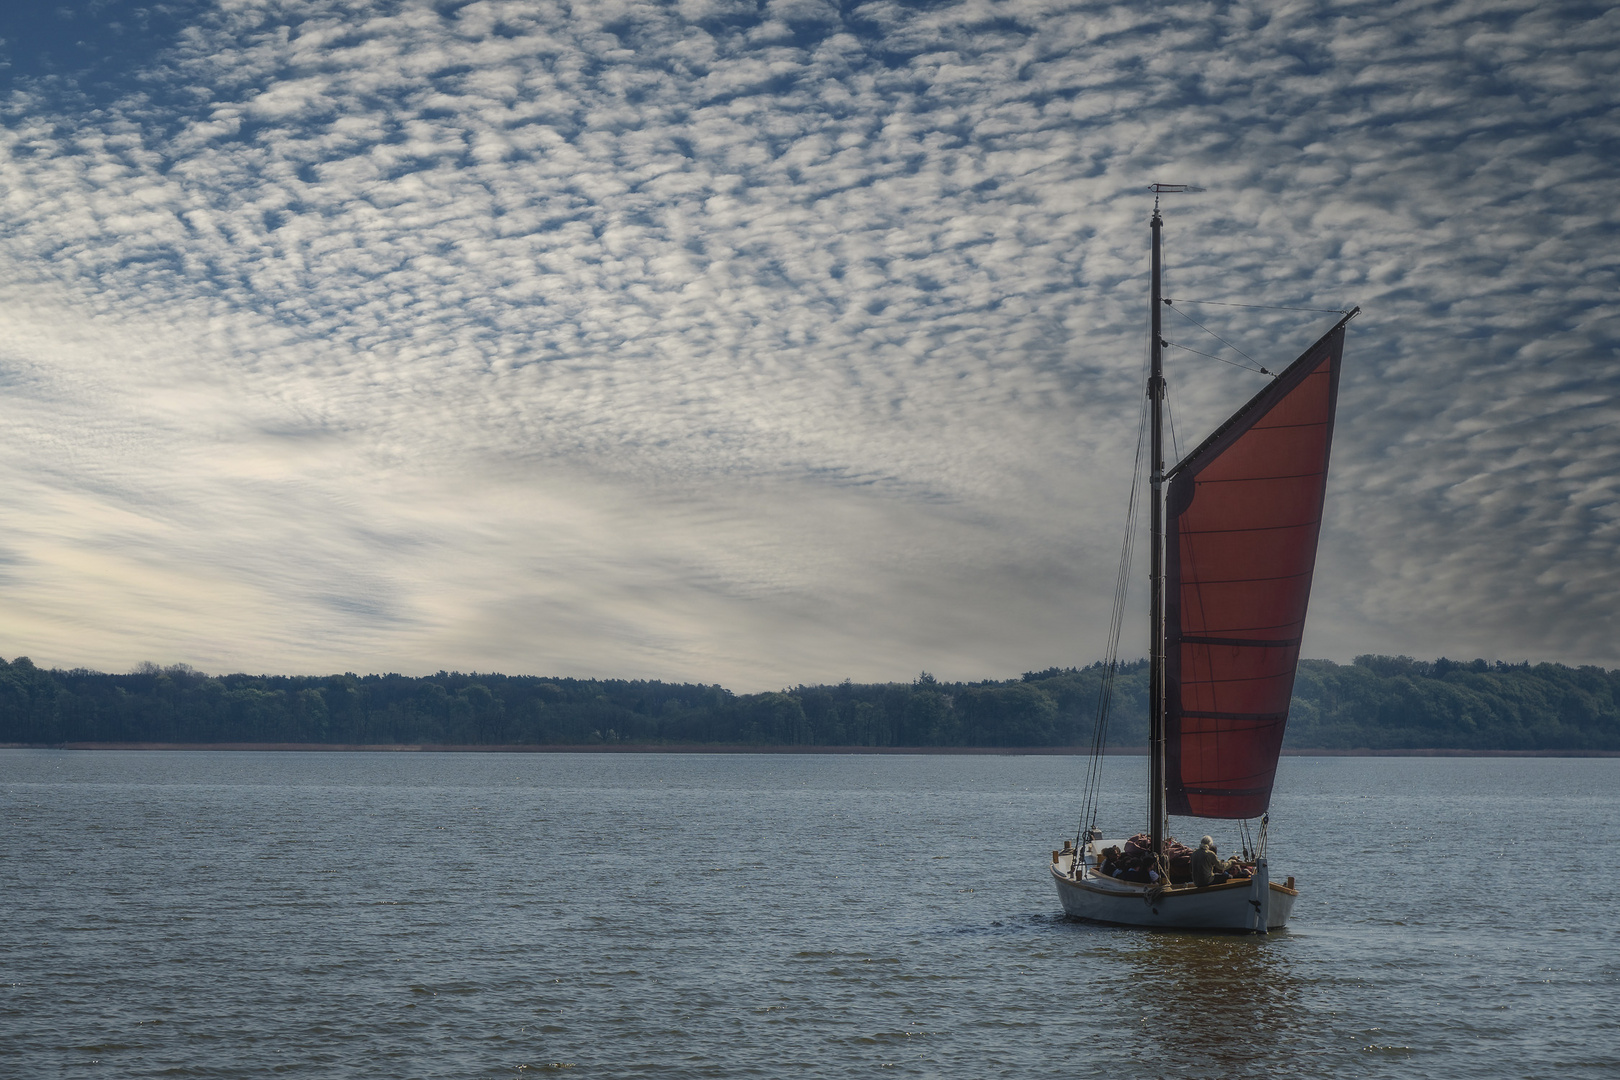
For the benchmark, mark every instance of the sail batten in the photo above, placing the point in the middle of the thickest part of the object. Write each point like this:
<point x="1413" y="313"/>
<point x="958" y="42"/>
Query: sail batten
<point x="1244" y="513"/>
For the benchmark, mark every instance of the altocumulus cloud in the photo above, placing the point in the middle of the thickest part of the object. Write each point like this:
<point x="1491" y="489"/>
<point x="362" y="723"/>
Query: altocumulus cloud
<point x="765" y="342"/>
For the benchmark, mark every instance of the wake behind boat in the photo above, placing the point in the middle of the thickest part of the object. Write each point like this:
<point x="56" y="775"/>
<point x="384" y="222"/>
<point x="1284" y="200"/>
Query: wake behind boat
<point x="1230" y="580"/>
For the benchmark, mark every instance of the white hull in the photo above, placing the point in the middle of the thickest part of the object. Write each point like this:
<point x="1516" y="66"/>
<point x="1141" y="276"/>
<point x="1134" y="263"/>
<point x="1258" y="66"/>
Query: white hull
<point x="1255" y="905"/>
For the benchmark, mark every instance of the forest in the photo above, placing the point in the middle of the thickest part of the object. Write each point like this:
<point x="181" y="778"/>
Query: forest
<point x="1376" y="702"/>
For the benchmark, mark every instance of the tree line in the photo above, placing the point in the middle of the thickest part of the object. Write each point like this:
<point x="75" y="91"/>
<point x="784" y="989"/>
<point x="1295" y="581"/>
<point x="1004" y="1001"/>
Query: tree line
<point x="1377" y="702"/>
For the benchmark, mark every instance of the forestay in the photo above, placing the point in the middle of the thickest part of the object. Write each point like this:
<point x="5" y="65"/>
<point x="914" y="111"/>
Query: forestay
<point x="1244" y="509"/>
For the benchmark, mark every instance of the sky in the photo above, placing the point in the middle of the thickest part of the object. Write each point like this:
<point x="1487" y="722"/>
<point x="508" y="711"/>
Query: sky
<point x="784" y="342"/>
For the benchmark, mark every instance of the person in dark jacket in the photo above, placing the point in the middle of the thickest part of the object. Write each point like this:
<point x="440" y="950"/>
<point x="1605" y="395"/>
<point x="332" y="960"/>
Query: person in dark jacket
<point x="1207" y="868"/>
<point x="1110" y="862"/>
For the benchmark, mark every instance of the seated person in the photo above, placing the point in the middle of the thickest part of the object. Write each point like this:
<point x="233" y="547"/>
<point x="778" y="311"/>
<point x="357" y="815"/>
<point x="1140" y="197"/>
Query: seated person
<point x="1207" y="868"/>
<point x="1110" y="862"/>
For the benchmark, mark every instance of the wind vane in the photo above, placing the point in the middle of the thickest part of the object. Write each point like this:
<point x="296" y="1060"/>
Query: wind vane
<point x="1169" y="189"/>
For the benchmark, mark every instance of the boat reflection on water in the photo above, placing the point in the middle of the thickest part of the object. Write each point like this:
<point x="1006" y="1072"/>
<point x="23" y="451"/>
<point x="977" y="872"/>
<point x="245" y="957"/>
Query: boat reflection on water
<point x="1207" y="1005"/>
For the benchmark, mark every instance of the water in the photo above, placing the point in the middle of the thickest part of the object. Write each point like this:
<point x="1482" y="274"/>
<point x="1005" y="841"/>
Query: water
<point x="413" y="915"/>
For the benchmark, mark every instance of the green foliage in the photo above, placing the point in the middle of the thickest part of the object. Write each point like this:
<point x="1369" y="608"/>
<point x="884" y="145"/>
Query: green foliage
<point x="1398" y="703"/>
<point x="1378" y="702"/>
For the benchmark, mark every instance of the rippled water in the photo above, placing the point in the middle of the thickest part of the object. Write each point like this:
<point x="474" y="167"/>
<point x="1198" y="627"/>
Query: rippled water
<point x="237" y="914"/>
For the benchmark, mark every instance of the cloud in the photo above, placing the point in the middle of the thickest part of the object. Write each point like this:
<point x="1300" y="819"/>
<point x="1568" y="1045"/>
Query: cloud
<point x="756" y="346"/>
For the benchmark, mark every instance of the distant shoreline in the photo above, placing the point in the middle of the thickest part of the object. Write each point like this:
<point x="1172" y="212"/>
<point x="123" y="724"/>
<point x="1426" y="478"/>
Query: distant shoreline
<point x="744" y="748"/>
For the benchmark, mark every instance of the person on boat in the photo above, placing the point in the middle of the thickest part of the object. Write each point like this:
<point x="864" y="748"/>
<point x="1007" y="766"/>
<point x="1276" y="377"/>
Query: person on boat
<point x="1110" y="862"/>
<point x="1207" y="868"/>
<point x="1136" y="872"/>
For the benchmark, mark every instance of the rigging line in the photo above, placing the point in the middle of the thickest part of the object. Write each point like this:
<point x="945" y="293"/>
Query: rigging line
<point x="1222" y="359"/>
<point x="1169" y="412"/>
<point x="1122" y="581"/>
<point x="1171" y="301"/>
<point x="1092" y="788"/>
<point x="1217" y="337"/>
<point x="1091" y="780"/>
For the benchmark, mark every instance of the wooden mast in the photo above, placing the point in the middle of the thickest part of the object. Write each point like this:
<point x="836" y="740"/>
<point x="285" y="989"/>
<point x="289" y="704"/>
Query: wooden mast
<point x="1155" y="391"/>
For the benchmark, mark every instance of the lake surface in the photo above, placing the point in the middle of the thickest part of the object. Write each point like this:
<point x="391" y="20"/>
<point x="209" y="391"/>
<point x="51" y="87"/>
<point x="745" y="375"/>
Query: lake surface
<point x="214" y="914"/>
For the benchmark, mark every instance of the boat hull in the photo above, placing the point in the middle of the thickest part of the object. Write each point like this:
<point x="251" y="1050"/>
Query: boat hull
<point x="1254" y="906"/>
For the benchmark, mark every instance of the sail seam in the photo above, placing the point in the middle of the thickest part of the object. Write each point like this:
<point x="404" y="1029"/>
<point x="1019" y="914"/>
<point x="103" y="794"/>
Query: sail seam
<point x="1249" y="529"/>
<point x="1198" y="714"/>
<point x="1252" y="479"/>
<point x="1292" y="624"/>
<point x="1288" y="427"/>
<point x="1212" y="682"/>
<point x="1188" y="533"/>
<point x="1252" y="643"/>
<point x="1225" y="791"/>
<point x="1239" y="581"/>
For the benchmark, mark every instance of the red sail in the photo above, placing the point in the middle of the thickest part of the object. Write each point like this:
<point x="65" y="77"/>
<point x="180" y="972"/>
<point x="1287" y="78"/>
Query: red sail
<point x="1244" y="512"/>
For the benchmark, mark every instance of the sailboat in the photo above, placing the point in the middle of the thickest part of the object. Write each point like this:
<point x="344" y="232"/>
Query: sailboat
<point x="1233" y="532"/>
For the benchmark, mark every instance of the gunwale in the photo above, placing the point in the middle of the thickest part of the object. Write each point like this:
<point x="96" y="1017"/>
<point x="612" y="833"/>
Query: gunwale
<point x="1134" y="888"/>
